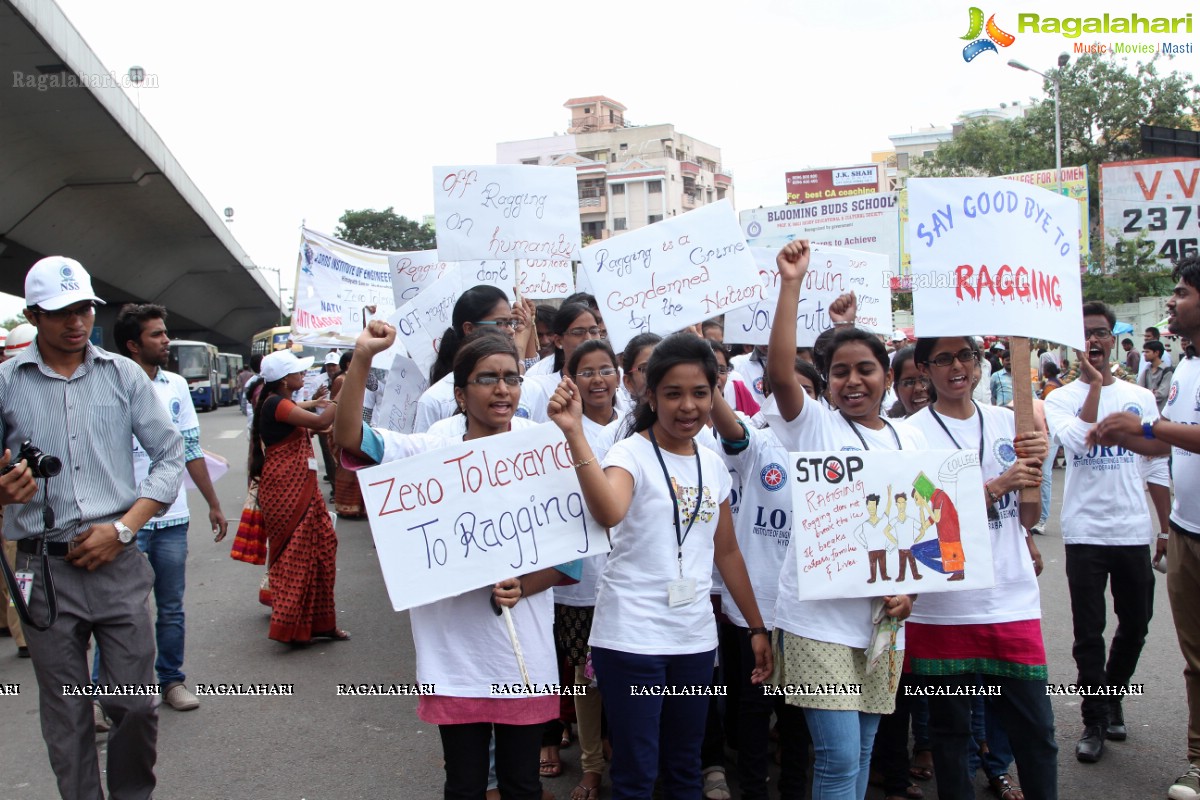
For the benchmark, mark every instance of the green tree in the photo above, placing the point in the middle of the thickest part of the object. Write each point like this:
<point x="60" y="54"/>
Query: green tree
<point x="1130" y="270"/>
<point x="13" y="322"/>
<point x="384" y="230"/>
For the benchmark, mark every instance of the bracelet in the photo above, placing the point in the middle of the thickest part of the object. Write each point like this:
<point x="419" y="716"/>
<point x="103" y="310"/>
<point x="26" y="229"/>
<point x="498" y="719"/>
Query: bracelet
<point x="840" y="323"/>
<point x="579" y="464"/>
<point x="1164" y="536"/>
<point x="756" y="631"/>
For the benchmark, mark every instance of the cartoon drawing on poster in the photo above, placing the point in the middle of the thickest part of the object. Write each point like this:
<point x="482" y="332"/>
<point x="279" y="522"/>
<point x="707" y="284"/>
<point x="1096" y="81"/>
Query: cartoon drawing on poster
<point x="872" y="522"/>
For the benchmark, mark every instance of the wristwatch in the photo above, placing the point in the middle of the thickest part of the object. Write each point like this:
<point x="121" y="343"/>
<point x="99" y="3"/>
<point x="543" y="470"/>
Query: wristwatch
<point x="124" y="535"/>
<point x="1148" y="427"/>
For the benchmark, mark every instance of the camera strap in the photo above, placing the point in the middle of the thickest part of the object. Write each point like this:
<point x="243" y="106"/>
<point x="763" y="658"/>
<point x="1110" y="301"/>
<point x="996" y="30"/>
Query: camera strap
<point x="14" y="588"/>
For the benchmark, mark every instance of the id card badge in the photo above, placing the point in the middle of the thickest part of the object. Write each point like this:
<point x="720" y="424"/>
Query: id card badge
<point x="681" y="592"/>
<point x="312" y="464"/>
<point x="25" y="584"/>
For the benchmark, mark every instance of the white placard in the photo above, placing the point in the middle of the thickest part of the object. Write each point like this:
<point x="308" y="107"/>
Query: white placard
<point x="421" y="322"/>
<point x="499" y="213"/>
<point x="474" y="513"/>
<point x="500" y="274"/>
<point x="832" y="271"/>
<point x="412" y="272"/>
<point x="397" y="410"/>
<point x="993" y="256"/>
<point x="673" y="273"/>
<point x="868" y="222"/>
<point x="545" y="279"/>
<point x="848" y="544"/>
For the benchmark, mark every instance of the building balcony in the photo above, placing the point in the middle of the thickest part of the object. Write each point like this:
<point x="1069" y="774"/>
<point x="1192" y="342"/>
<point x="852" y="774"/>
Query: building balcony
<point x="689" y="200"/>
<point x="689" y="167"/>
<point x="724" y="179"/>
<point x="593" y="205"/>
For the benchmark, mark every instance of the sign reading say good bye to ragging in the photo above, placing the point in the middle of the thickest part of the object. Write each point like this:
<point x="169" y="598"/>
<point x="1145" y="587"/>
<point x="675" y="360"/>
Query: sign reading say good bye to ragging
<point x="465" y="516"/>
<point x="993" y="256"/>
<point x="870" y="523"/>
<point x="498" y="213"/>
<point x="832" y="271"/>
<point x="672" y="274"/>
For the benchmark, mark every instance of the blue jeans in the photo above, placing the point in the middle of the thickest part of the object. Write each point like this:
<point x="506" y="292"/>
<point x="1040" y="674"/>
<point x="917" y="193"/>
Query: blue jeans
<point x="1047" y="485"/>
<point x="638" y="724"/>
<point x="166" y="548"/>
<point x="986" y="728"/>
<point x="842" y="742"/>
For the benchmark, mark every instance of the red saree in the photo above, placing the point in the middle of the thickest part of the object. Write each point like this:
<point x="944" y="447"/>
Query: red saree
<point x="302" y="544"/>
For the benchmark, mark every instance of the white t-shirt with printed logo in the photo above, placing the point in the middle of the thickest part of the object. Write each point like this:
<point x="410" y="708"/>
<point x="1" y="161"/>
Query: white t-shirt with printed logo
<point x="1015" y="595"/>
<point x="1183" y="405"/>
<point x="818" y="427"/>
<point x="438" y="403"/>
<point x="173" y="391"/>
<point x="1104" y="501"/>
<point x="632" y="613"/>
<point x="750" y="372"/>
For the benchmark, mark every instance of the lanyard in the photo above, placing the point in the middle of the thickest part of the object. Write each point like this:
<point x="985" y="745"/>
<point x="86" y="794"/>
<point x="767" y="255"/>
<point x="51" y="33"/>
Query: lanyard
<point x="854" y="428"/>
<point x="681" y="534"/>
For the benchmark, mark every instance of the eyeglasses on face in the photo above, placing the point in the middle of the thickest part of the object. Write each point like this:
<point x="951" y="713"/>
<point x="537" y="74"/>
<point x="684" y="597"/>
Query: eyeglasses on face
<point x="491" y="380"/>
<point x="909" y="383"/>
<point x="499" y="323"/>
<point x="724" y="370"/>
<point x="640" y="369"/>
<point x="603" y="372"/>
<point x="82" y="311"/>
<point x="964" y="356"/>
<point x="1096" y="333"/>
<point x="577" y="332"/>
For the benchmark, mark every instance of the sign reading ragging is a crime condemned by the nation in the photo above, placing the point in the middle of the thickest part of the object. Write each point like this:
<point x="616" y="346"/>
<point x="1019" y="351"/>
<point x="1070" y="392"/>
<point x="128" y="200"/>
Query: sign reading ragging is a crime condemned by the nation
<point x="465" y="516"/>
<point x="671" y="274"/>
<point x="993" y="256"/>
<point x="872" y="523"/>
<point x="499" y="213"/>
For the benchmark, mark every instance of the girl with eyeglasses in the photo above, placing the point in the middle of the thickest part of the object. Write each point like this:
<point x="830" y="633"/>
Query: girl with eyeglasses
<point x="574" y="324"/>
<point x="826" y="641"/>
<point x="990" y="635"/>
<point x="461" y="645"/>
<point x="913" y="389"/>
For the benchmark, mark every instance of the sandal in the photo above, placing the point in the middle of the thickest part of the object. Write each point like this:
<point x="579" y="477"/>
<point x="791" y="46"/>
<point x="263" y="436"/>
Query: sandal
<point x="566" y="736"/>
<point x="582" y="792"/>
<point x="922" y="767"/>
<point x="336" y="635"/>
<point x="1003" y="787"/>
<point x="550" y="767"/>
<point x="715" y="787"/>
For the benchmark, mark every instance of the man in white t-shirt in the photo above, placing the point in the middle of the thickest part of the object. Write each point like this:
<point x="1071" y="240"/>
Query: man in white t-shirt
<point x="1177" y="432"/>
<point x="1106" y="528"/>
<point x="905" y="530"/>
<point x="875" y="534"/>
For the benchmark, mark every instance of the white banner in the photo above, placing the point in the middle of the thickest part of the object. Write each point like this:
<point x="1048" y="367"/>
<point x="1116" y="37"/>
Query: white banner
<point x="335" y="281"/>
<point x="499" y="213"/>
<point x="994" y="256"/>
<point x="871" y="523"/>
<point x="671" y="274"/>
<point x="1158" y="198"/>
<point x="412" y="272"/>
<point x="421" y="322"/>
<point x="832" y="271"/>
<point x="465" y="516"/>
<point x="869" y="222"/>
<point x="544" y="279"/>
<point x="397" y="410"/>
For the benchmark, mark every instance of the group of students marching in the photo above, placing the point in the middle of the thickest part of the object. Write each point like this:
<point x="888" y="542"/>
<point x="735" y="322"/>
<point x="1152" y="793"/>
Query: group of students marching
<point x="668" y="454"/>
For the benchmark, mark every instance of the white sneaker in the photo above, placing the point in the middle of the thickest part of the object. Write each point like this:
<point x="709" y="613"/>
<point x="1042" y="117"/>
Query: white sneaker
<point x="179" y="698"/>
<point x="100" y="718"/>
<point x="1186" y="787"/>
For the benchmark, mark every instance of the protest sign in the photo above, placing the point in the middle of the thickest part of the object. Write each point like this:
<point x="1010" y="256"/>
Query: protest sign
<point x="832" y="271"/>
<point x="671" y="274"/>
<point x="501" y="274"/>
<point x="867" y="222"/>
<point x="868" y="523"/>
<point x="412" y="272"/>
<point x="476" y="512"/>
<point x="397" y="410"/>
<point x="994" y="256"/>
<point x="499" y="213"/>
<point x="1074" y="184"/>
<point x="544" y="280"/>
<point x="336" y="280"/>
<point x="421" y="322"/>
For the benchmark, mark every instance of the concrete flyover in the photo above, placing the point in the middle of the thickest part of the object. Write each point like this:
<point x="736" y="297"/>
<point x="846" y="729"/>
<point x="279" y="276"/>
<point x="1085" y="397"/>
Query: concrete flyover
<point x="83" y="174"/>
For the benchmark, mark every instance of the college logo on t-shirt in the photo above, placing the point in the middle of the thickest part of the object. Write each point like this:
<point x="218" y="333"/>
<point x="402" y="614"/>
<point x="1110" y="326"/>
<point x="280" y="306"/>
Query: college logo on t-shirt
<point x="1004" y="452"/>
<point x="758" y="386"/>
<point x="522" y="412"/>
<point x="176" y="408"/>
<point x="1133" y="408"/>
<point x="1174" y="391"/>
<point x="1197" y="406"/>
<point x="773" y="477"/>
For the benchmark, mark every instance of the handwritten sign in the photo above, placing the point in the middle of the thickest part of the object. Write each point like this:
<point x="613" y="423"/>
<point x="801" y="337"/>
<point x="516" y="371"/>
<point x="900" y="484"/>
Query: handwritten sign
<point x="412" y="272"/>
<point x="501" y="274"/>
<point x="499" y="213"/>
<point x="545" y="279"/>
<point x="832" y="271"/>
<point x="421" y="322"/>
<point x="993" y="256"/>
<point x="870" y="522"/>
<point x="474" y="513"/>
<point x="673" y="273"/>
<point x="397" y="409"/>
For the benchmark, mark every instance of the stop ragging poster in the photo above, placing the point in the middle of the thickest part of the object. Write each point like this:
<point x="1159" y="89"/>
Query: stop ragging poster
<point x="873" y="523"/>
<point x="994" y="256"/>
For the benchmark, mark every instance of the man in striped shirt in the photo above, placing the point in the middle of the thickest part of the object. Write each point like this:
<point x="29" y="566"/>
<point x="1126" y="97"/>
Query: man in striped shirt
<point x="82" y="404"/>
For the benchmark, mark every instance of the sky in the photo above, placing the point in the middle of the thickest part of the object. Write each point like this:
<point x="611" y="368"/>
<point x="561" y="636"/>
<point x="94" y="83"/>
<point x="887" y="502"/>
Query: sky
<point x="294" y="113"/>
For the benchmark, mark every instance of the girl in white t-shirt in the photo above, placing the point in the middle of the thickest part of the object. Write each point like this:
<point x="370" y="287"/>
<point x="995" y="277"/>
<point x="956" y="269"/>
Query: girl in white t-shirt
<point x="462" y="647"/>
<point x="989" y="636"/>
<point x="666" y="500"/>
<point x="826" y="641"/>
<point x="573" y="324"/>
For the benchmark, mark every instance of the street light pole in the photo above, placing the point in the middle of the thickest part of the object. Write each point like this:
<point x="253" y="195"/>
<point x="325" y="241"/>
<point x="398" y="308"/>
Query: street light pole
<point x="1063" y="58"/>
<point x="278" y="288"/>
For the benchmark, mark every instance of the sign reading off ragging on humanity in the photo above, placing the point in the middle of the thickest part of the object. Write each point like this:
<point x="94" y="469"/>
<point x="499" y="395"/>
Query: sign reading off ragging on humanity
<point x="671" y="274"/>
<point x="832" y="271"/>
<point x="465" y="516"/>
<point x="500" y="213"/>
<point x="872" y="523"/>
<point x="994" y="256"/>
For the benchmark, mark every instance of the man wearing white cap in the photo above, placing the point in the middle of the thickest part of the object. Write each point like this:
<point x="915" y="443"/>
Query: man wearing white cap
<point x="332" y="370"/>
<point x="81" y="404"/>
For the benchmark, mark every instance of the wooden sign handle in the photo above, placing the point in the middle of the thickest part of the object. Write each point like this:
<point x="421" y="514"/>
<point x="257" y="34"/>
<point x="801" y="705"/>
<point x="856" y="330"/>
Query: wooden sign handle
<point x="1018" y="347"/>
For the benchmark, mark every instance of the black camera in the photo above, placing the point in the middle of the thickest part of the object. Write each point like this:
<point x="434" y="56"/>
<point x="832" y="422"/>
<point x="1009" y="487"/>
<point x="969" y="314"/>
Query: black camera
<point x="40" y="464"/>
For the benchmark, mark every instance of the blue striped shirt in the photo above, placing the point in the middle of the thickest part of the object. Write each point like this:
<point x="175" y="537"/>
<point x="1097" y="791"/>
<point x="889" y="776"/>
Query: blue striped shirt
<point x="86" y="421"/>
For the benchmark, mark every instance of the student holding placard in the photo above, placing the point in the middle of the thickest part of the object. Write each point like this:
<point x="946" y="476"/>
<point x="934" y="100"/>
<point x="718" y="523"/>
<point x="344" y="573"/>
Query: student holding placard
<point x="989" y="636"/>
<point x="827" y="641"/>
<point x="462" y="647"/>
<point x="666" y="500"/>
